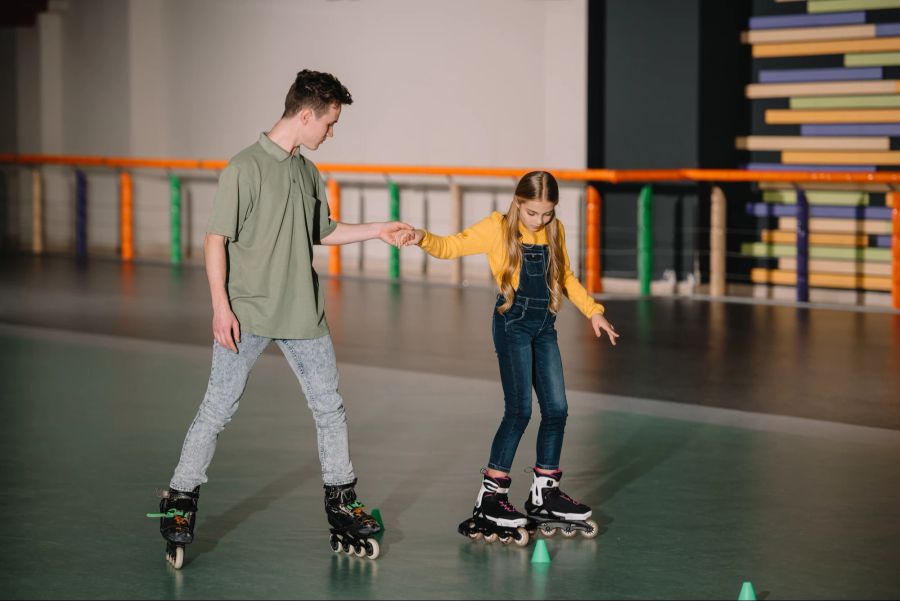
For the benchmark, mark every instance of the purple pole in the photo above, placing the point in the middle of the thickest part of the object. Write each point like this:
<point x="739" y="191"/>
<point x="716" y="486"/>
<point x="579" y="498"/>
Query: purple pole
<point x="80" y="215"/>
<point x="802" y="247"/>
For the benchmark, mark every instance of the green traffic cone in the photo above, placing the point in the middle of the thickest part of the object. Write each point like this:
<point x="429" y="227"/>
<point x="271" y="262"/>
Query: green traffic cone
<point x="540" y="555"/>
<point x="747" y="593"/>
<point x="376" y="513"/>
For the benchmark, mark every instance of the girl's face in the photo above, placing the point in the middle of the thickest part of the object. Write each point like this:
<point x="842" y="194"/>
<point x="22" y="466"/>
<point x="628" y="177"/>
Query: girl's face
<point x="535" y="214"/>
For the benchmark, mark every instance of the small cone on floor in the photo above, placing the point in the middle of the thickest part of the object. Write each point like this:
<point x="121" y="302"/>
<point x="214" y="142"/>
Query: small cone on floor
<point x="540" y="555"/>
<point x="747" y="593"/>
<point x="376" y="513"/>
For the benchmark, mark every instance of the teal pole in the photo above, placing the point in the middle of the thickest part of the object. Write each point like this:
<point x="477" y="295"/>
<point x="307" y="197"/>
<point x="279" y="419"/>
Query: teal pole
<point x="394" y="192"/>
<point x="645" y="239"/>
<point x="175" y="219"/>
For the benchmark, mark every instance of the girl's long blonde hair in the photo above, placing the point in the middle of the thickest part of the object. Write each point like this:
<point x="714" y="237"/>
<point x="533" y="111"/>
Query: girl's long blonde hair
<point x="536" y="185"/>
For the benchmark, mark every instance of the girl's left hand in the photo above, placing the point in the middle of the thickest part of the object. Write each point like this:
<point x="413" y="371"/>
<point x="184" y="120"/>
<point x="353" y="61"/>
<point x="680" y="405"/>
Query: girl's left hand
<point x="601" y="324"/>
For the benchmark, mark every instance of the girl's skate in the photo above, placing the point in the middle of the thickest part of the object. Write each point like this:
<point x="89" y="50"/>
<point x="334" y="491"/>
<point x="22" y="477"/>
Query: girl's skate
<point x="494" y="517"/>
<point x="550" y="509"/>
<point x="177" y="514"/>
<point x="352" y="528"/>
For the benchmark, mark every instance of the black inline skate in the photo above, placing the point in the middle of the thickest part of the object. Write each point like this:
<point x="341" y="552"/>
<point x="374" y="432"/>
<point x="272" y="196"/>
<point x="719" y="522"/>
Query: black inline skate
<point x="494" y="517"/>
<point x="177" y="515"/>
<point x="550" y="509"/>
<point x="352" y="528"/>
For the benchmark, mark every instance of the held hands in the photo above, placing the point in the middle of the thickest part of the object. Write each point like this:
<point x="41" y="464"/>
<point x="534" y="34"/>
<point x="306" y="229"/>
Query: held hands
<point x="601" y="324"/>
<point x="412" y="237"/>
<point x="395" y="233"/>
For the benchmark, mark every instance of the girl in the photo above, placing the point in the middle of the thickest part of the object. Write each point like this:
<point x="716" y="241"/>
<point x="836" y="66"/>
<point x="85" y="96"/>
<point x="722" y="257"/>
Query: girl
<point x="526" y="249"/>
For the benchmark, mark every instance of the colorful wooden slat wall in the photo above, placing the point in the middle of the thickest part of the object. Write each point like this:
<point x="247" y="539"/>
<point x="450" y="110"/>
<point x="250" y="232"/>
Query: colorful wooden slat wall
<point x="826" y="96"/>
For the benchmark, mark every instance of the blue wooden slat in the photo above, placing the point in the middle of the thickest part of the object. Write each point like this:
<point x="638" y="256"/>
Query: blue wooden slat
<point x="780" y="21"/>
<point x="807" y="75"/>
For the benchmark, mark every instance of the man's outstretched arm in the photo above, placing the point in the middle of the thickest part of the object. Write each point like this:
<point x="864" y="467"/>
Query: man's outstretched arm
<point x="347" y="233"/>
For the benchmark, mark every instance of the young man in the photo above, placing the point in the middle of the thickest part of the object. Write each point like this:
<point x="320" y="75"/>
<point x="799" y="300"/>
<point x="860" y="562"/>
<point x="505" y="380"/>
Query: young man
<point x="269" y="211"/>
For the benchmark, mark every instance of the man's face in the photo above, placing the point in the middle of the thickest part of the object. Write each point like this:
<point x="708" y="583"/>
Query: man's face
<point x="535" y="214"/>
<point x="314" y="129"/>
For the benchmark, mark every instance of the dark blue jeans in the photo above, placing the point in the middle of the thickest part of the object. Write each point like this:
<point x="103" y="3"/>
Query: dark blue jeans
<point x="527" y="349"/>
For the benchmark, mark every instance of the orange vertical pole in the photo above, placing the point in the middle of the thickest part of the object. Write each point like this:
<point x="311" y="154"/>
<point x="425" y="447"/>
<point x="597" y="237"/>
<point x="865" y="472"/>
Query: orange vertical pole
<point x="126" y="217"/>
<point x="718" y="220"/>
<point x="37" y="212"/>
<point x="895" y="250"/>
<point x="334" y="202"/>
<point x="592" y="233"/>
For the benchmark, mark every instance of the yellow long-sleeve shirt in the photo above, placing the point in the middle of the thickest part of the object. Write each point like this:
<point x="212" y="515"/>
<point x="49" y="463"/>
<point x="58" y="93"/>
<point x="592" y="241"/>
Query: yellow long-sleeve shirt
<point x="486" y="237"/>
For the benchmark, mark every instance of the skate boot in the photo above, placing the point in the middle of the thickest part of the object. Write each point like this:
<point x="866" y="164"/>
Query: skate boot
<point x="494" y="517"/>
<point x="177" y="515"/>
<point x="352" y="528"/>
<point x="550" y="509"/>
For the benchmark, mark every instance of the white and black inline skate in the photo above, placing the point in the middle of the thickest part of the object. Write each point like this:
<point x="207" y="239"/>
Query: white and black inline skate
<point x="550" y="509"/>
<point x="177" y="515"/>
<point x="494" y="517"/>
<point x="352" y="529"/>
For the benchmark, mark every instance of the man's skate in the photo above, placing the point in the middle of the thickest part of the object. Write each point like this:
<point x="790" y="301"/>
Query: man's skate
<point x="352" y="528"/>
<point x="494" y="517"/>
<point x="177" y="515"/>
<point x="549" y="509"/>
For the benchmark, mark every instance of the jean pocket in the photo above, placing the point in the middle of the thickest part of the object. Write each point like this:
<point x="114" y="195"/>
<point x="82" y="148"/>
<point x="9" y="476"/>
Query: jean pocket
<point x="534" y="264"/>
<point x="515" y="314"/>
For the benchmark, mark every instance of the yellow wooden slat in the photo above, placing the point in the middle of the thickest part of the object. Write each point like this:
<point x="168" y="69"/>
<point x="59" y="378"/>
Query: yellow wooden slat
<point x="822" y="225"/>
<point x="850" y="186"/>
<point x="760" y="275"/>
<point x="790" y="237"/>
<point x="788" y="116"/>
<point x="792" y="157"/>
<point x="839" y="267"/>
<point x="808" y="34"/>
<point x="822" y="88"/>
<point x="821" y="48"/>
<point x="812" y="143"/>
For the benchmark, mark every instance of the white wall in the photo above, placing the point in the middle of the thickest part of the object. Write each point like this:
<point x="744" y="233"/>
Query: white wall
<point x="461" y="82"/>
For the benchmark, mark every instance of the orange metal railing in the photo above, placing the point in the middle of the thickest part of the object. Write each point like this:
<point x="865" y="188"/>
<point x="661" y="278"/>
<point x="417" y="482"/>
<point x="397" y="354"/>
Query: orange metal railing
<point x="592" y="196"/>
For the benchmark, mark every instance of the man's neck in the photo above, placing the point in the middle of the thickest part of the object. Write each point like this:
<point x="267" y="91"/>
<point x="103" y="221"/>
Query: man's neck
<point x="284" y="133"/>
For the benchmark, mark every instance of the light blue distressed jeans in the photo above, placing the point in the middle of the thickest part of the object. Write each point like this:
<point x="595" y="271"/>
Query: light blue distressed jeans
<point x="313" y="362"/>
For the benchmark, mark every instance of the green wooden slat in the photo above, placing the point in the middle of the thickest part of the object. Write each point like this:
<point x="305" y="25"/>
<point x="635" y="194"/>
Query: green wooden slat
<point x="833" y="6"/>
<point x="838" y="198"/>
<point x="846" y="102"/>
<point x="761" y="249"/>
<point x="872" y="59"/>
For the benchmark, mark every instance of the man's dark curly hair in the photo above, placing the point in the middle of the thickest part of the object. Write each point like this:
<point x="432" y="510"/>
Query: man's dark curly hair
<point x="317" y="91"/>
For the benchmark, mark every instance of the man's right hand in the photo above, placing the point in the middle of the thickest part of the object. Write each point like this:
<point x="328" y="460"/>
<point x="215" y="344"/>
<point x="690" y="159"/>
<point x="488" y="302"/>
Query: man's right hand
<point x="226" y="329"/>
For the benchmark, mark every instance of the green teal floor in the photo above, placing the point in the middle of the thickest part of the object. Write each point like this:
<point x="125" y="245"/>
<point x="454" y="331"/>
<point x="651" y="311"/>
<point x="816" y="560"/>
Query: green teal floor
<point x="692" y="500"/>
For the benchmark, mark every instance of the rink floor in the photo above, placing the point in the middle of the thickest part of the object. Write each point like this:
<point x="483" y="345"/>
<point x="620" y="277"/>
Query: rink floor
<point x="718" y="443"/>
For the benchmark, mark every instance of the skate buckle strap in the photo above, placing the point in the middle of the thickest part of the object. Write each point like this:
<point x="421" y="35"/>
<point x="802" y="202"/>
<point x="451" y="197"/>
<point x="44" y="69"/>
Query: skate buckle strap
<point x="169" y="514"/>
<point x="541" y="482"/>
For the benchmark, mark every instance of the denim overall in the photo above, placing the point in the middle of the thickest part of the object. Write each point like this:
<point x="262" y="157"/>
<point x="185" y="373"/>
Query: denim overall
<point x="525" y="341"/>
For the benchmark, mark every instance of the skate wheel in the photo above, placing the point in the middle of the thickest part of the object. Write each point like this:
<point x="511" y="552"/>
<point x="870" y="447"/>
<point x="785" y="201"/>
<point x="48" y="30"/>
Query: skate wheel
<point x="346" y="548"/>
<point x="522" y="538"/>
<point x="475" y="535"/>
<point x="176" y="558"/>
<point x="359" y="551"/>
<point x="505" y="540"/>
<point x="373" y="549"/>
<point x="335" y="544"/>
<point x="489" y="538"/>
<point x="593" y="529"/>
<point x="569" y="532"/>
<point x="548" y="530"/>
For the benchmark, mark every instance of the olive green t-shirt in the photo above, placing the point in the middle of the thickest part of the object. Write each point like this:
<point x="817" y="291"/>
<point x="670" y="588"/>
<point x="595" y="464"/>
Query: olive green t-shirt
<point x="271" y="205"/>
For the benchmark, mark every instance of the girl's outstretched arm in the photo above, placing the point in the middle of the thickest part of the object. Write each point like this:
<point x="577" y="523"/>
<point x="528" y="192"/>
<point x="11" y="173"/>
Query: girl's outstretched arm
<point x="477" y="239"/>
